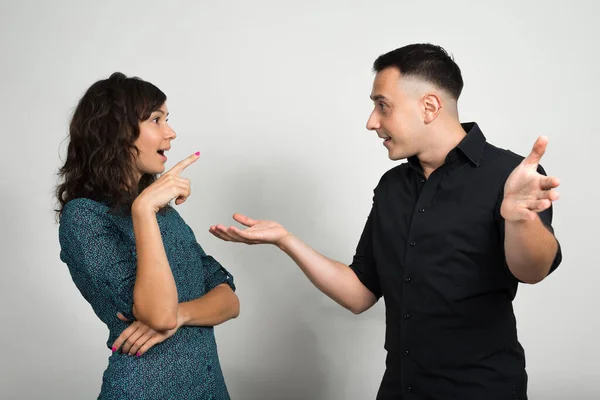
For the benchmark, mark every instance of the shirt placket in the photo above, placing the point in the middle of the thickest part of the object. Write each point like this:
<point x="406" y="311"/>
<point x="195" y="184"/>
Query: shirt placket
<point x="426" y="191"/>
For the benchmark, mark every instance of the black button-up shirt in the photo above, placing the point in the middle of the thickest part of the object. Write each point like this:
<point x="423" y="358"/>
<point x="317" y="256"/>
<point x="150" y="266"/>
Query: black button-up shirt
<point x="434" y="249"/>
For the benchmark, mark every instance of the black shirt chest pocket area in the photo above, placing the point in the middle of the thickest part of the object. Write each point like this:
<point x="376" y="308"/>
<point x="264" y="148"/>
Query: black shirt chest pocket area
<point x="464" y="218"/>
<point x="472" y="229"/>
<point x="463" y="241"/>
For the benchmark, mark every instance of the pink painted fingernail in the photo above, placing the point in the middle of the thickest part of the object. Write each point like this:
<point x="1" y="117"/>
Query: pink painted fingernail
<point x="197" y="153"/>
<point x="138" y="354"/>
<point x="114" y="349"/>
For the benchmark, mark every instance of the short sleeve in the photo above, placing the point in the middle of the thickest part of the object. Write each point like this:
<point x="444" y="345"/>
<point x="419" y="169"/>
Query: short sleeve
<point x="545" y="217"/>
<point x="100" y="263"/>
<point x="363" y="262"/>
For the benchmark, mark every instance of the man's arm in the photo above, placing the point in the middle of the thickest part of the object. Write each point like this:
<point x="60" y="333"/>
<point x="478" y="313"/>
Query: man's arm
<point x="530" y="249"/>
<point x="530" y="246"/>
<point x="336" y="280"/>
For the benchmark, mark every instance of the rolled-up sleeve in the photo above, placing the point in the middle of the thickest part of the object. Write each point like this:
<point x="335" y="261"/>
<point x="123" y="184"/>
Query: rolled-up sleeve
<point x="363" y="262"/>
<point x="545" y="217"/>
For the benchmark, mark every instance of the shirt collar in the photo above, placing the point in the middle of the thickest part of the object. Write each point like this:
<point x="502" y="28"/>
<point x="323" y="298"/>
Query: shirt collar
<point x="471" y="146"/>
<point x="473" y="143"/>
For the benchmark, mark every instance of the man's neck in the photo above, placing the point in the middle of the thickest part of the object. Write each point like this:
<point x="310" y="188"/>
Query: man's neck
<point x="440" y="141"/>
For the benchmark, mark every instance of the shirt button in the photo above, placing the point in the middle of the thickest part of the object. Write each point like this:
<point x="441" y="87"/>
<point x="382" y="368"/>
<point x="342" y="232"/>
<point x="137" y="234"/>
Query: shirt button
<point x="406" y="316"/>
<point x="421" y="210"/>
<point x="413" y="243"/>
<point x="409" y="388"/>
<point x="406" y="352"/>
<point x="408" y="279"/>
<point x="422" y="180"/>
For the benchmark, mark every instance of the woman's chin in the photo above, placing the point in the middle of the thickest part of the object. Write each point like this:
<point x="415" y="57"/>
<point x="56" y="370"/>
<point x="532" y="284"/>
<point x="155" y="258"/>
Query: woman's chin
<point x="154" y="171"/>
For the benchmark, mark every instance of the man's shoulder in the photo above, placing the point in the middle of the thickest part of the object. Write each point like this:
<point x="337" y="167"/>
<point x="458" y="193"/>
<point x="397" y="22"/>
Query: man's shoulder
<point x="500" y="158"/>
<point x="501" y="152"/>
<point x="504" y="159"/>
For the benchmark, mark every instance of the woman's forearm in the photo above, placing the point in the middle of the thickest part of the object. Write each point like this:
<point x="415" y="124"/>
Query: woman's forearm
<point x="215" y="307"/>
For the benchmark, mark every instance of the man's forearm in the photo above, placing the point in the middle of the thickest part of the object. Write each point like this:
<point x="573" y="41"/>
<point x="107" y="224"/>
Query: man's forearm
<point x="530" y="249"/>
<point x="331" y="277"/>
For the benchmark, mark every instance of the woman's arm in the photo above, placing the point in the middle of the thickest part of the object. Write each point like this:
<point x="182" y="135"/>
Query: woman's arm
<point x="215" y="307"/>
<point x="154" y="293"/>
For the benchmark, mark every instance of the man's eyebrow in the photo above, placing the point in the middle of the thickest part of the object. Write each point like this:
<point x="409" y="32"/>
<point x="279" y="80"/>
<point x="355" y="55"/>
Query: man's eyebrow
<point x="378" y="97"/>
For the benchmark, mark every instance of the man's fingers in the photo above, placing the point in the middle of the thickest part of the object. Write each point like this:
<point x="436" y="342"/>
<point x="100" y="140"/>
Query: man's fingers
<point x="538" y="205"/>
<point x="549" y="182"/>
<point x="226" y="232"/>
<point x="215" y="233"/>
<point x="242" y="236"/>
<point x="551" y="195"/>
<point x="221" y="232"/>
<point x="538" y="150"/>
<point x="183" y="164"/>
<point x="231" y="234"/>
<point x="244" y="220"/>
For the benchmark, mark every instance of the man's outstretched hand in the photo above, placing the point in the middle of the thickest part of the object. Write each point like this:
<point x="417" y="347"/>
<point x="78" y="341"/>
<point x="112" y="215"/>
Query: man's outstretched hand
<point x="257" y="232"/>
<point x="526" y="191"/>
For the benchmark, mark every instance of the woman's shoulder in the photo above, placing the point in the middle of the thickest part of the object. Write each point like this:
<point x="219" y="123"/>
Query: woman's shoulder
<point x="82" y="209"/>
<point x="84" y="203"/>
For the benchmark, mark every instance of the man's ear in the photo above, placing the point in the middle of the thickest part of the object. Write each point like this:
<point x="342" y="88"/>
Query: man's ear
<point x="432" y="105"/>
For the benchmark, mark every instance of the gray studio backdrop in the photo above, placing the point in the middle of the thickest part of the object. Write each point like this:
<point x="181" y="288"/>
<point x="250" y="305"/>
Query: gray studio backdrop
<point x="276" y="96"/>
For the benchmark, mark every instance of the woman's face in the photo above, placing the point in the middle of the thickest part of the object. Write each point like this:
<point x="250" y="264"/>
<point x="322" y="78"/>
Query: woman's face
<point x="154" y="141"/>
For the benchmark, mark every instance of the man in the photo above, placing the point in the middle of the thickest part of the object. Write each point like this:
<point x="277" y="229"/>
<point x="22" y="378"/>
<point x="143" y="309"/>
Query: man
<point x="450" y="235"/>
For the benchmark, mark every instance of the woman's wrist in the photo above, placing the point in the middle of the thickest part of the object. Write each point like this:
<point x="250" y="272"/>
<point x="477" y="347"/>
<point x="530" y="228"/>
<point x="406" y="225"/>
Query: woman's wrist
<point x="140" y="209"/>
<point x="183" y="316"/>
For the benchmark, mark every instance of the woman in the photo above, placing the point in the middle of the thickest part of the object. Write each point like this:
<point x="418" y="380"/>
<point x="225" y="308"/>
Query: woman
<point x="132" y="256"/>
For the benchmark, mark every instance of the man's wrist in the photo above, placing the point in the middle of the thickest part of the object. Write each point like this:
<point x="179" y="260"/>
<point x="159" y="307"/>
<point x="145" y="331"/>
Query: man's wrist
<point x="284" y="243"/>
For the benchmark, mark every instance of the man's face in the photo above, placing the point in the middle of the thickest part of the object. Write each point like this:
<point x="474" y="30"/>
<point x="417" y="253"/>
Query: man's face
<point x="398" y="114"/>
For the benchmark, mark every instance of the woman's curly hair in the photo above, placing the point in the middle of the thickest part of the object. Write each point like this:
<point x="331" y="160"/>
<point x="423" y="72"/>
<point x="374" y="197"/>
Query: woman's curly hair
<point x="100" y="163"/>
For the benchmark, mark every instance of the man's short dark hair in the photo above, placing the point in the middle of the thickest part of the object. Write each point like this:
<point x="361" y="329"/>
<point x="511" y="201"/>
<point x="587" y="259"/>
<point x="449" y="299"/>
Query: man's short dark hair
<point x="426" y="61"/>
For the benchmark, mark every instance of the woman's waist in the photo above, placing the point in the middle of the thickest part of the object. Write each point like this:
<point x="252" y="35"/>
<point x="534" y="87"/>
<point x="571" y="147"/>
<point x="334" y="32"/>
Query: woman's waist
<point x="187" y="362"/>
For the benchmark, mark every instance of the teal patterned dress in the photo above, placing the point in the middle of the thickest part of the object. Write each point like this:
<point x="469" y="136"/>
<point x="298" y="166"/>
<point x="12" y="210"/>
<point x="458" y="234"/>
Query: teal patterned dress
<point x="99" y="250"/>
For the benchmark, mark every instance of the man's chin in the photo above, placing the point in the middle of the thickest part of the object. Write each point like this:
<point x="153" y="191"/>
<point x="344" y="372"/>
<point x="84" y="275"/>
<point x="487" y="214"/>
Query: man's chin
<point x="396" y="156"/>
